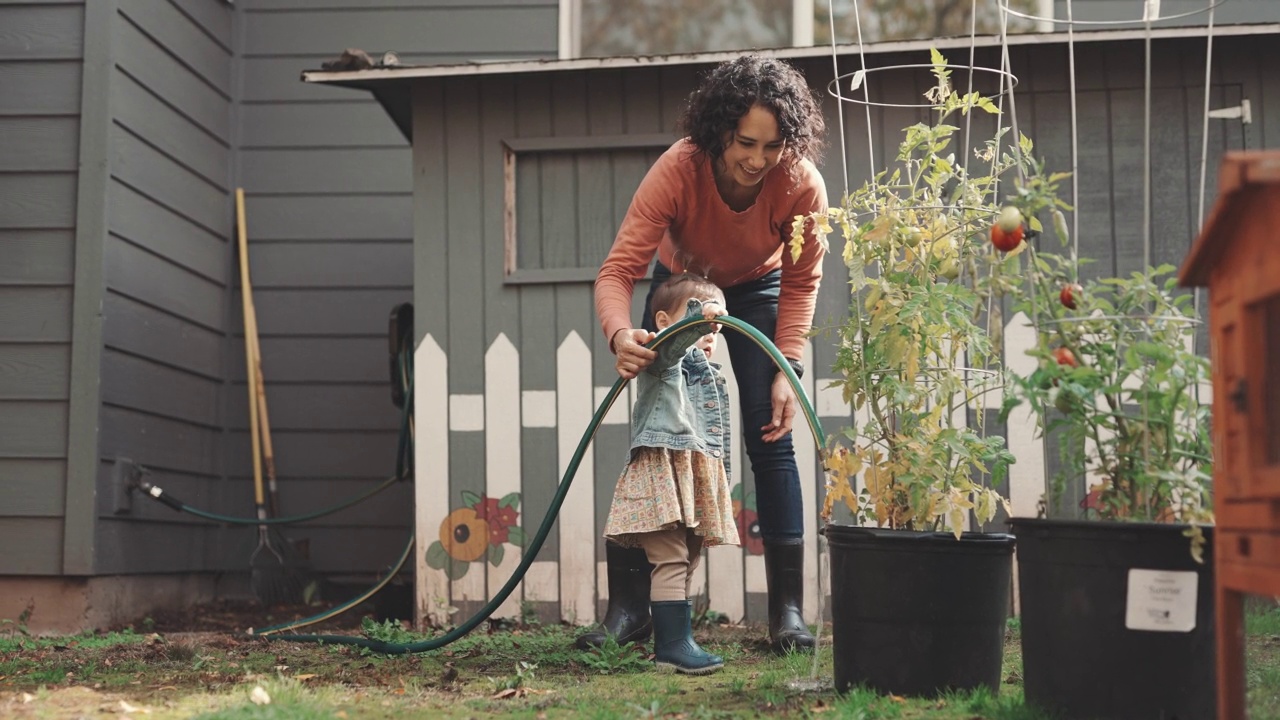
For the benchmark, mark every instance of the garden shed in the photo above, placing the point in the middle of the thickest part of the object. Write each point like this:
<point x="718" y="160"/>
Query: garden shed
<point x="522" y="171"/>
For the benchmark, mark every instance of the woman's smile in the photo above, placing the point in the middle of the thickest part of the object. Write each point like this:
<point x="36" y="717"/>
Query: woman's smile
<point x="752" y="149"/>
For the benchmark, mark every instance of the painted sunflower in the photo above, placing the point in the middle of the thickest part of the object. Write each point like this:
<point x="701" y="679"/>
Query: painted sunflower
<point x="465" y="535"/>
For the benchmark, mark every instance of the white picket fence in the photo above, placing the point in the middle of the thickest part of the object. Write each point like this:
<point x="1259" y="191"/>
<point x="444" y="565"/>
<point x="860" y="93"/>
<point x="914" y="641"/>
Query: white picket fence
<point x="576" y="579"/>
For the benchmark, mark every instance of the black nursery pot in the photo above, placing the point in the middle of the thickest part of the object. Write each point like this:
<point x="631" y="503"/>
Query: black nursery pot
<point x="1082" y="655"/>
<point x="918" y="613"/>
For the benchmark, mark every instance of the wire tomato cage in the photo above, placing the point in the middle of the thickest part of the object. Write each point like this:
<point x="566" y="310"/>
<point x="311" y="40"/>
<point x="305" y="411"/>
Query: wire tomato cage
<point x="1146" y="13"/>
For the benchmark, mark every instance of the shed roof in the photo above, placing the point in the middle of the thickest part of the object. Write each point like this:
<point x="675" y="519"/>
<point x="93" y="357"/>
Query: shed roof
<point x="1241" y="177"/>
<point x="390" y="85"/>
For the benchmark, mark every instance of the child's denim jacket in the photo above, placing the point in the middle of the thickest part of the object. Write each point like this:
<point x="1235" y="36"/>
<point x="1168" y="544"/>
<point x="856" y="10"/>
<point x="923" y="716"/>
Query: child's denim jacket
<point x="681" y="403"/>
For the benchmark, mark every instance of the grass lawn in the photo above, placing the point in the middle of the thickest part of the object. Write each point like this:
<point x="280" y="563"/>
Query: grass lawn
<point x="529" y="672"/>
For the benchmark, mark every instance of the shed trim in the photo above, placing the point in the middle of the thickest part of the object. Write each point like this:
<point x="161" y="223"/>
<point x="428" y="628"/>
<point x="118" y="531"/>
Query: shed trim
<point x="79" y="522"/>
<point x="367" y="79"/>
<point x="572" y="143"/>
<point x="1239" y="175"/>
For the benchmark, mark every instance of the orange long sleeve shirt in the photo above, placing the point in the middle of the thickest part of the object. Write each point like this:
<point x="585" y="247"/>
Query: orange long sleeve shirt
<point x="678" y="214"/>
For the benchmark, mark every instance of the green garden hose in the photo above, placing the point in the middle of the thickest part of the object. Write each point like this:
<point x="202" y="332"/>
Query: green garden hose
<point x="531" y="550"/>
<point x="404" y="470"/>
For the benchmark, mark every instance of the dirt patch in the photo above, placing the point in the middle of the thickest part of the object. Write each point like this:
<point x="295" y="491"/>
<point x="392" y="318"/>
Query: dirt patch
<point x="236" y="617"/>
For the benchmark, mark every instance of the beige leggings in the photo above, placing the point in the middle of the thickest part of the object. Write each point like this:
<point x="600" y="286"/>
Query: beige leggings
<point x="675" y="553"/>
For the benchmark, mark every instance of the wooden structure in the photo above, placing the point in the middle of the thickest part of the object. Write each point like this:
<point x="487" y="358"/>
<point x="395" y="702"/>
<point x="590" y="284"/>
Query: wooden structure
<point x="1237" y="258"/>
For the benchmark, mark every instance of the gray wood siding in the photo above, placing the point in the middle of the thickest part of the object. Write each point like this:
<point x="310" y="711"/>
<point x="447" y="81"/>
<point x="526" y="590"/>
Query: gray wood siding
<point x="166" y="263"/>
<point x="40" y="55"/>
<point x="330" y="214"/>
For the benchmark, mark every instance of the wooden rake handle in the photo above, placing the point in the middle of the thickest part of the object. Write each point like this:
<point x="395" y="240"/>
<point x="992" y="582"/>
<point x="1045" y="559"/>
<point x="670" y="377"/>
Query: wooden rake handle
<point x="251" y="365"/>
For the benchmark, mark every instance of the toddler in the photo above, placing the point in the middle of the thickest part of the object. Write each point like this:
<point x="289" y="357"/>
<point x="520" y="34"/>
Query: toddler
<point x="672" y="498"/>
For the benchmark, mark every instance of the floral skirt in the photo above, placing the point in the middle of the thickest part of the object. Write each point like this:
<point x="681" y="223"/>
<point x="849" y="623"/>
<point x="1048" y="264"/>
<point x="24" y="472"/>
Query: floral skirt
<point x="661" y="489"/>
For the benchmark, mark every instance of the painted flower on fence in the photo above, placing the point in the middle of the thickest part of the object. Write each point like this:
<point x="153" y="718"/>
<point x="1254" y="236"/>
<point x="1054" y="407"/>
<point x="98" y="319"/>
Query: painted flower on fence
<point x="476" y="532"/>
<point x="744" y="514"/>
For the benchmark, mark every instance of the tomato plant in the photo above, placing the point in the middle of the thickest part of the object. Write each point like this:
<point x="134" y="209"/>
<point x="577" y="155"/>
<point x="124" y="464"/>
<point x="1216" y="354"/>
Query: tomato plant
<point x="920" y="270"/>
<point x="1117" y="385"/>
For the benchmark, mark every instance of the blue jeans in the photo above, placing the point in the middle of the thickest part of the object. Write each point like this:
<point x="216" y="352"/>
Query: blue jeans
<point x="779" y="506"/>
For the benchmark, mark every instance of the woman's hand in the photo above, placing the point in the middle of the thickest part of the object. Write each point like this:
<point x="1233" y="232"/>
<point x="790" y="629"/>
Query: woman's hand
<point x="784" y="409"/>
<point x="633" y="356"/>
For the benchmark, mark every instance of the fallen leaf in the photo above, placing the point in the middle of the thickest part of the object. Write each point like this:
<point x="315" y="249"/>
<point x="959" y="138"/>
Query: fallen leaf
<point x="259" y="696"/>
<point x="341" y="714"/>
<point x="304" y="676"/>
<point x="125" y="707"/>
<point x="509" y="693"/>
<point x="897" y="698"/>
<point x="27" y="698"/>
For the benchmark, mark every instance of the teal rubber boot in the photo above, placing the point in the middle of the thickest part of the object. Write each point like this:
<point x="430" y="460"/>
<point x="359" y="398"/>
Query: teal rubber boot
<point x="673" y="646"/>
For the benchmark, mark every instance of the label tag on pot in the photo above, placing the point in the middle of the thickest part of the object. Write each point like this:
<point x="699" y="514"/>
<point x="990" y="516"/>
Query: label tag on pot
<point x="1161" y="600"/>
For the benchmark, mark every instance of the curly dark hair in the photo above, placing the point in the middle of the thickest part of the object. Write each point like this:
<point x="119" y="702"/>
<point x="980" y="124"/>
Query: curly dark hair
<point x="735" y="86"/>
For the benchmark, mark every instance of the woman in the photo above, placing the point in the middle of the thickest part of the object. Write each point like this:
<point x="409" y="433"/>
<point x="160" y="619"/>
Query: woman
<point x="720" y="203"/>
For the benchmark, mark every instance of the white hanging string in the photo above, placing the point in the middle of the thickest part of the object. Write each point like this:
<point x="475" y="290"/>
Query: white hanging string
<point x="968" y="115"/>
<point x="1149" y="10"/>
<point x="835" y="69"/>
<point x="824" y="561"/>
<point x="1204" y="134"/>
<point x="1075" y="146"/>
<point x="1204" y="162"/>
<point x="866" y="91"/>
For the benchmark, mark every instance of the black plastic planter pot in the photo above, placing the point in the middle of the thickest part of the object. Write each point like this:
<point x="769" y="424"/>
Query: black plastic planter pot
<point x="1117" y="620"/>
<point x="918" y="613"/>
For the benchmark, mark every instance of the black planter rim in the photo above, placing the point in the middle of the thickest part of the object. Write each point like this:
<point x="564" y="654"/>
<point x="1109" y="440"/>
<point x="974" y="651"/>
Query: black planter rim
<point x="1102" y="526"/>
<point x="848" y="534"/>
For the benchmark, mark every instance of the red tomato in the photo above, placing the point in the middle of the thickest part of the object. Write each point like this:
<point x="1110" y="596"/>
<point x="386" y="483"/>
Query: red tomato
<point x="1069" y="294"/>
<point x="1065" y="357"/>
<point x="1006" y="240"/>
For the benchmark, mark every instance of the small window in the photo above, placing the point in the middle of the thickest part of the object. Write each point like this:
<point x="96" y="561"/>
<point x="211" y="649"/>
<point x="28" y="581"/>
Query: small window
<point x="565" y="198"/>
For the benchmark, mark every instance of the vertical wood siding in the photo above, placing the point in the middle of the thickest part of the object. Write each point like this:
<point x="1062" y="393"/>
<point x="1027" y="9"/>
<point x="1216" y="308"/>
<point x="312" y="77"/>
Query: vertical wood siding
<point x="547" y="333"/>
<point x="330" y="213"/>
<point x="40" y="56"/>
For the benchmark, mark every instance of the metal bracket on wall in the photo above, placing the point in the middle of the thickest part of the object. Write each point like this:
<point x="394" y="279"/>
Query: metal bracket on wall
<point x="125" y="476"/>
<point x="1242" y="111"/>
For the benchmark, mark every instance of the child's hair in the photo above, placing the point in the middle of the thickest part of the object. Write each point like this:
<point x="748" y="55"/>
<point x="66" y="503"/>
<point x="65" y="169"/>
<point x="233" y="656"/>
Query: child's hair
<point x="672" y="295"/>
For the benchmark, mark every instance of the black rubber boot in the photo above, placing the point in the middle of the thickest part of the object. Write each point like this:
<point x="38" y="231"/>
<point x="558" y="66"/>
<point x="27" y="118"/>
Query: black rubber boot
<point x="784" y="573"/>
<point x="627" y="618"/>
<point x="673" y="645"/>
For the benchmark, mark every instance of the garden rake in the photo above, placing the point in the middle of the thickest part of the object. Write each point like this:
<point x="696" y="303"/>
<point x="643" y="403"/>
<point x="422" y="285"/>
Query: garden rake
<point x="273" y="576"/>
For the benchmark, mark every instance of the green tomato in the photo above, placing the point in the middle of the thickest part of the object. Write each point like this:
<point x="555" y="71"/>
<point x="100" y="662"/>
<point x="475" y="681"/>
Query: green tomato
<point x="1065" y="402"/>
